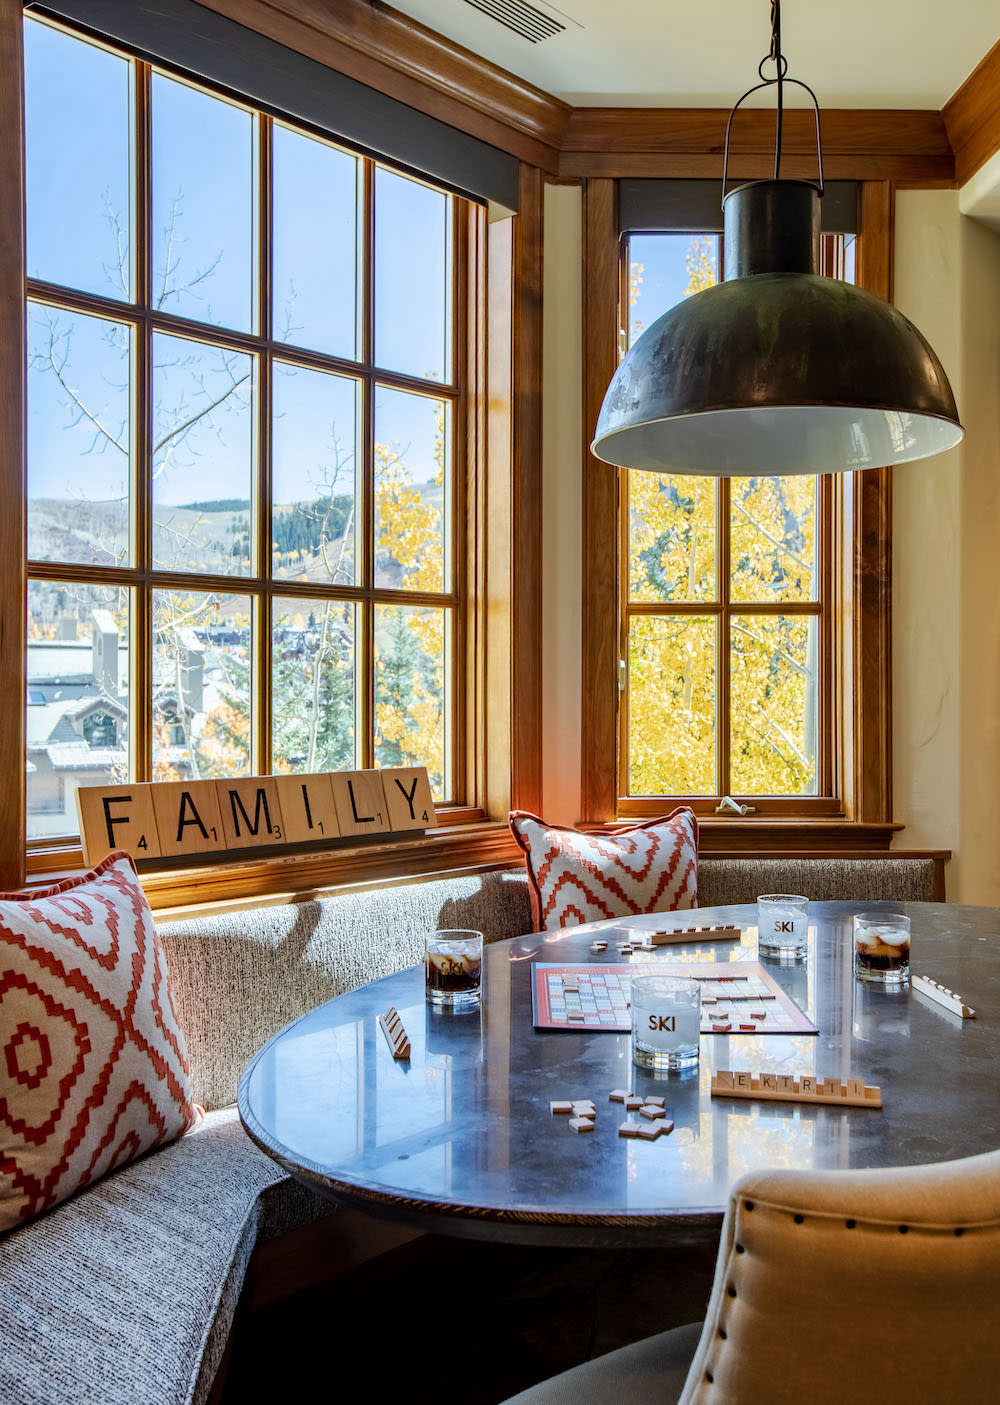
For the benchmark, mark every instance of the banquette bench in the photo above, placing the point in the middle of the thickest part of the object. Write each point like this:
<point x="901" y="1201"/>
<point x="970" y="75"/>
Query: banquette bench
<point x="126" y="1294"/>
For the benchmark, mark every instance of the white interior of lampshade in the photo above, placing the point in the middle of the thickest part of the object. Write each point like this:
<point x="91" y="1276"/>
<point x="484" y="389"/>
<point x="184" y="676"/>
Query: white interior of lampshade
<point x="783" y="440"/>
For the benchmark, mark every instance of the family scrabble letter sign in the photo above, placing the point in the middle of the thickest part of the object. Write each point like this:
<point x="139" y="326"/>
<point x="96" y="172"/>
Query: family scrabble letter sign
<point x="178" y="819"/>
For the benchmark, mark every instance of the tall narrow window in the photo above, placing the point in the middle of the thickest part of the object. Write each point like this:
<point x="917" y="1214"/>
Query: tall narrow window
<point x="726" y="631"/>
<point x="246" y="401"/>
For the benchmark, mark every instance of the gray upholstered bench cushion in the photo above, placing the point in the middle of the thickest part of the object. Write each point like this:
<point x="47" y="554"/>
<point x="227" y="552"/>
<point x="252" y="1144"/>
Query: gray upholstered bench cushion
<point x="125" y="1294"/>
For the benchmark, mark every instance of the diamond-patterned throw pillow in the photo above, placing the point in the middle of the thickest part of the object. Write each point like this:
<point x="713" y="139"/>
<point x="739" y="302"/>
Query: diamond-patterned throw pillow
<point x="576" y="877"/>
<point x="93" y="1068"/>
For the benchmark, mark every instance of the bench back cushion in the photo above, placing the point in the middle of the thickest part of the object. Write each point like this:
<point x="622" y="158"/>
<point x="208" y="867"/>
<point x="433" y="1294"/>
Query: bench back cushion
<point x="240" y="977"/>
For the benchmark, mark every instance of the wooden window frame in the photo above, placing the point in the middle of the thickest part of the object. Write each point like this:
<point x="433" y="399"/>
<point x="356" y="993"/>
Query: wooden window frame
<point x="498" y="282"/>
<point x="855" y="811"/>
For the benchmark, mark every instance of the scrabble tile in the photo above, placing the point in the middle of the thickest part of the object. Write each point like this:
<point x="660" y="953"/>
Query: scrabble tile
<point x="628" y="1129"/>
<point x="360" y="802"/>
<point x="633" y="1103"/>
<point x="117" y="817"/>
<point x="618" y="1095"/>
<point x="251" y="812"/>
<point x="561" y="1107"/>
<point x="653" y="1101"/>
<point x="649" y="1131"/>
<point x="408" y="800"/>
<point x="652" y="1113"/>
<point x="581" y="1124"/>
<point x="188" y="818"/>
<point x="308" y="811"/>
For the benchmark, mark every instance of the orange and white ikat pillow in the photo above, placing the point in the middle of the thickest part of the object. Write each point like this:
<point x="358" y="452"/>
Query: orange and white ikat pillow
<point x="575" y="877"/>
<point x="93" y="1067"/>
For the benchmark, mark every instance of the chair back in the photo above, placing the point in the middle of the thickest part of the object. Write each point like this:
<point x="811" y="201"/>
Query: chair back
<point x="867" y="1287"/>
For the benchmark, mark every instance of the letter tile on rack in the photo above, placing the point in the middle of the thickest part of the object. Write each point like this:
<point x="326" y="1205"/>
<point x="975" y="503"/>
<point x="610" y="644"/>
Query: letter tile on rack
<point x="408" y="798"/>
<point x="360" y="802"/>
<point x="307" y="808"/>
<point x="251" y="812"/>
<point x="188" y="818"/>
<point x="117" y="817"/>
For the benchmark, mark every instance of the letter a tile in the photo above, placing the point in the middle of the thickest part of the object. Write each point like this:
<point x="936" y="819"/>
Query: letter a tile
<point x="188" y="818"/>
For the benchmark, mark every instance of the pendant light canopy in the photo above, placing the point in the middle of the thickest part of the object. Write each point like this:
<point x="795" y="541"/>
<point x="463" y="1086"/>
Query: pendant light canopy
<point x="776" y="370"/>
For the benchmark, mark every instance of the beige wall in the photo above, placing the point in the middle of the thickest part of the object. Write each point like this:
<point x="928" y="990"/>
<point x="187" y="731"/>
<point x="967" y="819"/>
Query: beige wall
<point x="946" y="575"/>
<point x="562" y="518"/>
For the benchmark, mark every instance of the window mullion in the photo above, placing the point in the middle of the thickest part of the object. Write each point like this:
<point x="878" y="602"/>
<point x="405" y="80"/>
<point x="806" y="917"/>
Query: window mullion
<point x="141" y="660"/>
<point x="723" y="687"/>
<point x="261" y="693"/>
<point x="365" y="626"/>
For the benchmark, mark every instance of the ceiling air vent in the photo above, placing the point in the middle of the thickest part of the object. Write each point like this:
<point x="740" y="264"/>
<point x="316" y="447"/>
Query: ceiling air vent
<point x="532" y="24"/>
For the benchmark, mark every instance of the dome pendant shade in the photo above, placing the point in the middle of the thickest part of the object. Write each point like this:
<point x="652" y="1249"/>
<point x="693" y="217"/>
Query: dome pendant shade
<point x="777" y="370"/>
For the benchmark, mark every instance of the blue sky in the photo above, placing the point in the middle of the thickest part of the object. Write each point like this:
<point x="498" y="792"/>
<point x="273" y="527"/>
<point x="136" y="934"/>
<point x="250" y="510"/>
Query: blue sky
<point x="80" y="201"/>
<point x="664" y="275"/>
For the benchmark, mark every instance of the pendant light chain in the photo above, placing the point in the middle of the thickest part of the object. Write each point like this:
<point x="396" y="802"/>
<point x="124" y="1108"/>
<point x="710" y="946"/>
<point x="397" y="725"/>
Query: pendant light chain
<point x="774" y="55"/>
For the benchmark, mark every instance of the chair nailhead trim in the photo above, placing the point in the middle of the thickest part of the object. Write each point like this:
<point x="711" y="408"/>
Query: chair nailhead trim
<point x="722" y="1334"/>
<point x="799" y="1219"/>
<point x="731" y="1291"/>
<point x="740" y="1249"/>
<point x="709" y="1377"/>
<point x="959" y="1233"/>
<point x="849" y="1224"/>
<point x="748" y="1204"/>
<point x="903" y="1228"/>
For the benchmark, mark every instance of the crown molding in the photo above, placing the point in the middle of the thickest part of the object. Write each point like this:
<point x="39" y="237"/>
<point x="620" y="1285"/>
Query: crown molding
<point x="377" y="45"/>
<point x="867" y="144"/>
<point x="389" y="51"/>
<point x="972" y="117"/>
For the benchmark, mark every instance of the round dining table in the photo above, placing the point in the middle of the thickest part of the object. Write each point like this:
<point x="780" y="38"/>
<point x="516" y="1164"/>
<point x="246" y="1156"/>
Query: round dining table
<point x="459" y="1137"/>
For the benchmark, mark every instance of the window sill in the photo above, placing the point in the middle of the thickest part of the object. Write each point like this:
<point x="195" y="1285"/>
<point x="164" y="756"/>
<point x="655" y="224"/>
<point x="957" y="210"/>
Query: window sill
<point x="268" y="878"/>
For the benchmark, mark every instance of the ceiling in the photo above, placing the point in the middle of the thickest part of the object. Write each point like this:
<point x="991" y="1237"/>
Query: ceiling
<point x="665" y="53"/>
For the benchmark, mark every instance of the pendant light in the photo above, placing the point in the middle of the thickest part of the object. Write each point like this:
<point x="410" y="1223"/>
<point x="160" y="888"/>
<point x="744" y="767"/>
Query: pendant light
<point x="776" y="370"/>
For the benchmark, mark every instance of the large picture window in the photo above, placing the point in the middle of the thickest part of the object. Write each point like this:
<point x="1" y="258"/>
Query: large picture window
<point x="727" y="641"/>
<point x="246" y="403"/>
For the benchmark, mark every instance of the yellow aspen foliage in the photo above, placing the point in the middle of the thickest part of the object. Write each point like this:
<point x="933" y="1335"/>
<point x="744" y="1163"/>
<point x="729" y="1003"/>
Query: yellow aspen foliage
<point x="409" y="710"/>
<point x="672" y="558"/>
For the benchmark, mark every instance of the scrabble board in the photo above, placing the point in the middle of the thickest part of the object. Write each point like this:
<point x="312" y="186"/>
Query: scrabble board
<point x="739" y="994"/>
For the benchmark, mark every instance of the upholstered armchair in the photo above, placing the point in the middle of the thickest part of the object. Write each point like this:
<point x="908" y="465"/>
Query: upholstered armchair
<point x="831" y="1288"/>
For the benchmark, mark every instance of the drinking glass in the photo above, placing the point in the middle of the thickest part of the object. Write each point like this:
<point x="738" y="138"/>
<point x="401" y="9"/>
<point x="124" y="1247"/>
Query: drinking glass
<point x="882" y="947"/>
<point x="453" y="966"/>
<point x="783" y="925"/>
<point x="666" y="1021"/>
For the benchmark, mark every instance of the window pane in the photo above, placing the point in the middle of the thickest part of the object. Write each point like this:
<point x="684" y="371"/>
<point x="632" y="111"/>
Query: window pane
<point x="671" y="537"/>
<point x="671" y="705"/>
<point x="663" y="269"/>
<point x="412" y="487"/>
<point x="313" y="685"/>
<point x="201" y="685"/>
<point x="775" y="704"/>
<point x="203" y="457"/>
<point x="317" y="258"/>
<point x="315" y="475"/>
<point x="77" y="715"/>
<point x="204" y="225"/>
<point x="773" y="538"/>
<point x="411" y="691"/>
<point x="78" y="101"/>
<point x="412" y="277"/>
<point x="79" y="437"/>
